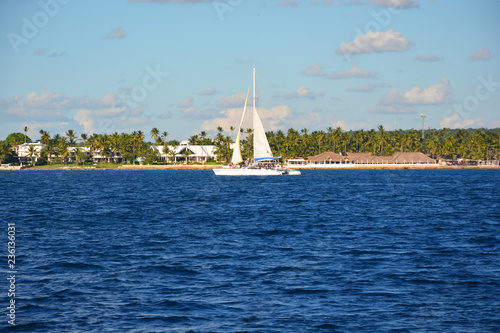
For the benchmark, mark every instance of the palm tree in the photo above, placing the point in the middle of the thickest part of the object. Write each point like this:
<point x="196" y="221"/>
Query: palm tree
<point x="32" y="153"/>
<point x="175" y="143"/>
<point x="193" y="140"/>
<point x="26" y="129"/>
<point x="57" y="139"/>
<point x="84" y="137"/>
<point x="166" y="150"/>
<point x="202" y="136"/>
<point x="5" y="151"/>
<point x="186" y="153"/>
<point x="164" y="135"/>
<point x="64" y="152"/>
<point x="71" y="137"/>
<point x="45" y="139"/>
<point x="155" y="132"/>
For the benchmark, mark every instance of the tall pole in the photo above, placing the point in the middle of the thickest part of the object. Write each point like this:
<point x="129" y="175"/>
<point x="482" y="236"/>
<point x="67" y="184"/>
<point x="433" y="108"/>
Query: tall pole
<point x="254" y="88"/>
<point x="423" y="117"/>
<point x="254" y="112"/>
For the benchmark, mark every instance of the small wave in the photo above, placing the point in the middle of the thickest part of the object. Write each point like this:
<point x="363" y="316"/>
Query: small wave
<point x="299" y="291"/>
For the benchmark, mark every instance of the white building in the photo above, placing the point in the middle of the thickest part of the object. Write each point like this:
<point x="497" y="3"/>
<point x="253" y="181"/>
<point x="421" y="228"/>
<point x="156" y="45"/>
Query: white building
<point x="193" y="153"/>
<point x="23" y="150"/>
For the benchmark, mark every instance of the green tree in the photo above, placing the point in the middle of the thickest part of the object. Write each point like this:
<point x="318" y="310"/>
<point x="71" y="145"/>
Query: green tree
<point x="45" y="139"/>
<point x="32" y="153"/>
<point x="71" y="135"/>
<point x="155" y="133"/>
<point x="16" y="139"/>
<point x="164" y="135"/>
<point x="84" y="137"/>
<point x="5" y="151"/>
<point x="26" y="129"/>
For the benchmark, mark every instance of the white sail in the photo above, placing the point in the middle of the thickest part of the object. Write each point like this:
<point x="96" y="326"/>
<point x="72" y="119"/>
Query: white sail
<point x="236" y="159"/>
<point x="261" y="148"/>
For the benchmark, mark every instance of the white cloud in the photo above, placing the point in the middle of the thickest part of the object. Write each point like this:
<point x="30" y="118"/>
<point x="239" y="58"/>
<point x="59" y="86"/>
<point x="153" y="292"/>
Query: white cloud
<point x="105" y="114"/>
<point x="483" y="54"/>
<point x="85" y="119"/>
<point x="457" y="121"/>
<point x="353" y="72"/>
<point x="116" y="34"/>
<point x="236" y="100"/>
<point x="303" y="92"/>
<point x="383" y="41"/>
<point x="37" y="125"/>
<point x="366" y="87"/>
<point x="314" y="70"/>
<point x="189" y="111"/>
<point x="405" y="103"/>
<point x="392" y="109"/>
<point x="429" y="58"/>
<point x="436" y="94"/>
<point x="166" y="115"/>
<point x="342" y="124"/>
<point x="272" y="118"/>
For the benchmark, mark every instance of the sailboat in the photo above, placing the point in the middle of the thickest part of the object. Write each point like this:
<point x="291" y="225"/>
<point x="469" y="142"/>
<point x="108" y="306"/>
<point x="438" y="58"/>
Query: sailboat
<point x="261" y="149"/>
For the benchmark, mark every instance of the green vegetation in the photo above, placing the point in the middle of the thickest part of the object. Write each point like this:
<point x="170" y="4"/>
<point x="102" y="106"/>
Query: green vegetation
<point x="125" y="148"/>
<point x="444" y="143"/>
<point x="15" y="139"/>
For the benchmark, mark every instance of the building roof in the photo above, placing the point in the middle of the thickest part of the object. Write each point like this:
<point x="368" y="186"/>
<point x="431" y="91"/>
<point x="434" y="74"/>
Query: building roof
<point x="196" y="150"/>
<point x="360" y="158"/>
<point x="326" y="156"/>
<point x="412" y="158"/>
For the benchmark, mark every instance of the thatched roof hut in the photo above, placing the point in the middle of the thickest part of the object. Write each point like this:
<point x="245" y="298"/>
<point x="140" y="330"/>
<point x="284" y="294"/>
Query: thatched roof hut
<point x="326" y="158"/>
<point x="360" y="158"/>
<point x="412" y="158"/>
<point x="368" y="158"/>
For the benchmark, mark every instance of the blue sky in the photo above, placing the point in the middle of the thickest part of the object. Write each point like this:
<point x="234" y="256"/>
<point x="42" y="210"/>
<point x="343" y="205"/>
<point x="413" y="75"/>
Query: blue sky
<point x="184" y="66"/>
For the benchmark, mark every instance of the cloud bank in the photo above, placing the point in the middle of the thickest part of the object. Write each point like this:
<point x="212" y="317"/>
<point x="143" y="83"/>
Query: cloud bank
<point x="383" y="41"/>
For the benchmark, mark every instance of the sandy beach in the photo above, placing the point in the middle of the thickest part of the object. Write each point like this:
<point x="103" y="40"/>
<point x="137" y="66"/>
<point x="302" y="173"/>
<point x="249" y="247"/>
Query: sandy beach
<point x="210" y="167"/>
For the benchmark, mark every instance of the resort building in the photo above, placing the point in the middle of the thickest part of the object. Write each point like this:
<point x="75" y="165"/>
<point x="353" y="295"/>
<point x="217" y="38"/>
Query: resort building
<point x="23" y="150"/>
<point x="332" y="160"/>
<point x="327" y="158"/>
<point x="185" y="152"/>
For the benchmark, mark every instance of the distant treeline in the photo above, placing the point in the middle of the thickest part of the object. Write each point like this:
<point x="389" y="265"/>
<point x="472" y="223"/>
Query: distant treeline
<point x="443" y="143"/>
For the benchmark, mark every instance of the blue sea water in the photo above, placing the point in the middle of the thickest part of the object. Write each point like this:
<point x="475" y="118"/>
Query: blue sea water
<point x="185" y="251"/>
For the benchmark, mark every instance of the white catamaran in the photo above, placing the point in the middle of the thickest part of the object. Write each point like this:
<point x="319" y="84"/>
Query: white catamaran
<point x="261" y="150"/>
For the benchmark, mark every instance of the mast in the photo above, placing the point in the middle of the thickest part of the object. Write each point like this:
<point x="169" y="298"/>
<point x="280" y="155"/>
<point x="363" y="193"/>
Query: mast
<point x="254" y="88"/>
<point x="254" y="111"/>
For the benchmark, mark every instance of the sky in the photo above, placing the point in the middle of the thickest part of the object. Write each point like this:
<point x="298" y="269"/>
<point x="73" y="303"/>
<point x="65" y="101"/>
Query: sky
<point x="184" y="66"/>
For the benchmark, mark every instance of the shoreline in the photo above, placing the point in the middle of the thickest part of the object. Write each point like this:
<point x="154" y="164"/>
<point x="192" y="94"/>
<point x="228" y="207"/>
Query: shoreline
<point x="211" y="167"/>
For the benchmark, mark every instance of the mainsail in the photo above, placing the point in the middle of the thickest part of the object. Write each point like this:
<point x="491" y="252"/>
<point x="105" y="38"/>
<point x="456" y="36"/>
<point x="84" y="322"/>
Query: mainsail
<point x="261" y="149"/>
<point x="236" y="159"/>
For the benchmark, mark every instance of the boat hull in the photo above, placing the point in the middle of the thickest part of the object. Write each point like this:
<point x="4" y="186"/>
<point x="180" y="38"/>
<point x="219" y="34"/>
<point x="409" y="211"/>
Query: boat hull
<point x="247" y="172"/>
<point x="292" y="172"/>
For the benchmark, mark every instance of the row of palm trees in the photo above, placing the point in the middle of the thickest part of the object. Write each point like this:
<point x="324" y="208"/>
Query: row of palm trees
<point x="114" y="147"/>
<point x="443" y="143"/>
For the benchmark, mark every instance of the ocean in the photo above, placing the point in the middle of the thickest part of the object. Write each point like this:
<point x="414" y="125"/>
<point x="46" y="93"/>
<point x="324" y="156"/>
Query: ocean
<point x="185" y="251"/>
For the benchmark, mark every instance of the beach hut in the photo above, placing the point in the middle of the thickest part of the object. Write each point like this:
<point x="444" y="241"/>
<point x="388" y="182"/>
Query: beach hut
<point x="327" y="158"/>
<point x="412" y="158"/>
